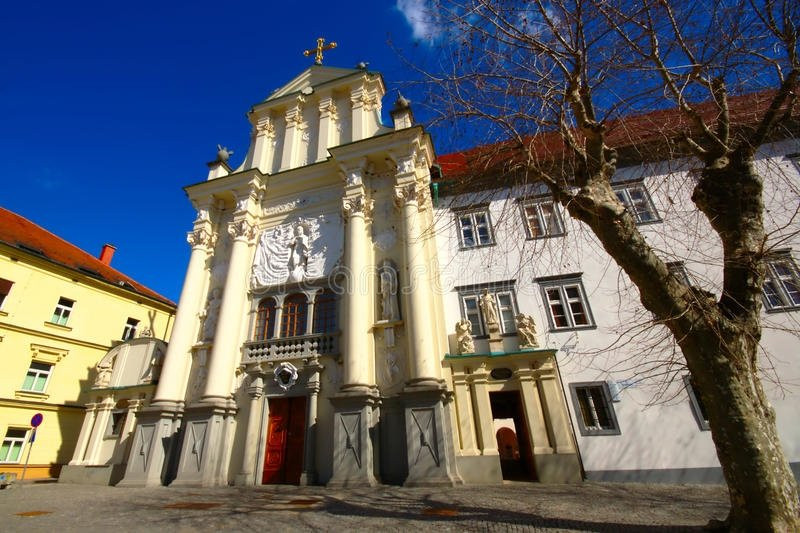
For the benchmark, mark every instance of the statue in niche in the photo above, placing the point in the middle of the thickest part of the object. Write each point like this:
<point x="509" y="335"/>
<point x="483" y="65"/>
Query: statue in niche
<point x="299" y="250"/>
<point x="526" y="329"/>
<point x="210" y="314"/>
<point x="464" y="337"/>
<point x="489" y="309"/>
<point x="388" y="292"/>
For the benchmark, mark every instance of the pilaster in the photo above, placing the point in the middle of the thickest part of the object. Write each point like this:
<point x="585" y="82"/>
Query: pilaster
<point x="154" y="441"/>
<point x="291" y="141"/>
<point x="255" y="392"/>
<point x="464" y="414"/>
<point x="78" y="458"/>
<point x="264" y="149"/>
<point x="328" y="113"/>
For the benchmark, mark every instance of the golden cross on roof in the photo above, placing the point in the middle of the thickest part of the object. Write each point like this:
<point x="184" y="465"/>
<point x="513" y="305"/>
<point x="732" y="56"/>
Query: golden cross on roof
<point x="321" y="46"/>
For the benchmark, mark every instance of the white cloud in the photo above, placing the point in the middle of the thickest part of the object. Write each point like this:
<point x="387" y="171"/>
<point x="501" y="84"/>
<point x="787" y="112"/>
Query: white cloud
<point x="420" y="16"/>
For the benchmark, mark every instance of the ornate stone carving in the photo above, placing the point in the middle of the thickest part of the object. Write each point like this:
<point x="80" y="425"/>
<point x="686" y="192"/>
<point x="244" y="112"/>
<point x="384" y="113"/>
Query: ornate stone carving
<point x="489" y="309"/>
<point x="526" y="329"/>
<point x="210" y="314"/>
<point x="357" y="205"/>
<point x="393" y="370"/>
<point x="203" y="215"/>
<point x="464" y="337"/>
<point x="146" y="332"/>
<point x="241" y="229"/>
<point x="385" y="240"/>
<point x="388" y="292"/>
<point x="104" y="370"/>
<point x="328" y="107"/>
<point x="265" y="128"/>
<point x="286" y="375"/>
<point x="296" y="251"/>
<point x="405" y="194"/>
<point x="354" y="176"/>
<point x="200" y="237"/>
<point x="405" y="165"/>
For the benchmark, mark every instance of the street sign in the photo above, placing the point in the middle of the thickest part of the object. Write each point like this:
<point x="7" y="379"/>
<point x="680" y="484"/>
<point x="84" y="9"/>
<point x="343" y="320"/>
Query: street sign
<point x="37" y="420"/>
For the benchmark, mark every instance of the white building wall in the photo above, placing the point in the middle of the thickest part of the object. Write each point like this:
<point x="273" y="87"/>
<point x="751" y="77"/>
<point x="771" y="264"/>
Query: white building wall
<point x="658" y="430"/>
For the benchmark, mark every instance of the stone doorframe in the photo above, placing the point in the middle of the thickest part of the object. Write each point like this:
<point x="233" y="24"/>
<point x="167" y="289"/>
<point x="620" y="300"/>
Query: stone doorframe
<point x="534" y="373"/>
<point x="260" y="387"/>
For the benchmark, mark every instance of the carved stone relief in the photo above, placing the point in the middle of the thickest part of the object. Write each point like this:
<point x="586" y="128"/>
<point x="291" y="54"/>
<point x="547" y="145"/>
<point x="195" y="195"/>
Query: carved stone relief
<point x="304" y="249"/>
<point x="464" y="337"/>
<point x="210" y="314"/>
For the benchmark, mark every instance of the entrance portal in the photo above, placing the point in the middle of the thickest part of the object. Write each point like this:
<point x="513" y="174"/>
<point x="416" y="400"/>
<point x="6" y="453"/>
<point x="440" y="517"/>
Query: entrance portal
<point x="513" y="442"/>
<point x="283" y="460"/>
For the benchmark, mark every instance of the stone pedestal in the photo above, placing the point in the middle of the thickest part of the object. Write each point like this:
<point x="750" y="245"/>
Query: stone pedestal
<point x="205" y="451"/>
<point x="355" y="415"/>
<point x="429" y="439"/>
<point x="153" y="441"/>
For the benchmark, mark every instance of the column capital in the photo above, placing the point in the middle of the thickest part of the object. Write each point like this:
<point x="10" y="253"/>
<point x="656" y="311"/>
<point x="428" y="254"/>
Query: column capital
<point x="135" y="404"/>
<point x="327" y="107"/>
<point x="353" y="176"/>
<point x="242" y="230"/>
<point x="357" y="206"/>
<point x="265" y="126"/>
<point x="201" y="238"/>
<point x="407" y="193"/>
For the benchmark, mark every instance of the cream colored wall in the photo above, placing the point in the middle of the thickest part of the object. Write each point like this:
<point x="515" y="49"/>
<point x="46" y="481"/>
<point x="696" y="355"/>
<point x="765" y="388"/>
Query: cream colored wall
<point x="97" y="320"/>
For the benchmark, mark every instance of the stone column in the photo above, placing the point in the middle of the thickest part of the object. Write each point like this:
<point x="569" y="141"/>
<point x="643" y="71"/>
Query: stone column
<point x="291" y="140"/>
<point x="534" y="415"/>
<point x="424" y="363"/>
<point x="356" y="208"/>
<point x="309" y="474"/>
<point x="225" y="351"/>
<point x="255" y="391"/>
<point x="100" y="427"/>
<point x="78" y="458"/>
<point x="483" y="413"/>
<point x="311" y="296"/>
<point x="464" y="414"/>
<point x="357" y="401"/>
<point x="555" y="406"/>
<point x="327" y="114"/>
<point x="171" y="383"/>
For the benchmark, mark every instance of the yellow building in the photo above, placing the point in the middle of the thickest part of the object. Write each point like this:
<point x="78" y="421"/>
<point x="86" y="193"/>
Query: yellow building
<point x="61" y="311"/>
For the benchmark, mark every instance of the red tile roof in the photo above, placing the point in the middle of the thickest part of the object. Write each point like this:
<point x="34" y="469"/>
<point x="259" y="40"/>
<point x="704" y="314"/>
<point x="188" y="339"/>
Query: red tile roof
<point x="630" y="131"/>
<point x="21" y="233"/>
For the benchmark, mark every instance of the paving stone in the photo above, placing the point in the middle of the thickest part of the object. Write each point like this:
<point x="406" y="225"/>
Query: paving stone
<point x="511" y="507"/>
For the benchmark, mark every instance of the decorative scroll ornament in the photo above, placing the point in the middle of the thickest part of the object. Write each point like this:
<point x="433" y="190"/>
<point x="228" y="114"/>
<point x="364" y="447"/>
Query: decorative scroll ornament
<point x="266" y="128"/>
<point x="405" y="194"/>
<point x="241" y="229"/>
<point x="286" y="375"/>
<point x="200" y="237"/>
<point x="357" y="205"/>
<point x="329" y="108"/>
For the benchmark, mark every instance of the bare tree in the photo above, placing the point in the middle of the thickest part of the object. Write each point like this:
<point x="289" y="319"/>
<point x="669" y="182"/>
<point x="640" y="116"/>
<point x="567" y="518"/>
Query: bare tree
<point x="557" y="86"/>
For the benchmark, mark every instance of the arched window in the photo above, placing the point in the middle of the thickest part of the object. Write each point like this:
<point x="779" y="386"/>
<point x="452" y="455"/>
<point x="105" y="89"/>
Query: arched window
<point x="325" y="312"/>
<point x="293" y="321"/>
<point x="265" y="320"/>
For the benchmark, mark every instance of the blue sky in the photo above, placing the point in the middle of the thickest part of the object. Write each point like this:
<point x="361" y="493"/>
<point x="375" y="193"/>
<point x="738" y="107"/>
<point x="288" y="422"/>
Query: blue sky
<point x="108" y="109"/>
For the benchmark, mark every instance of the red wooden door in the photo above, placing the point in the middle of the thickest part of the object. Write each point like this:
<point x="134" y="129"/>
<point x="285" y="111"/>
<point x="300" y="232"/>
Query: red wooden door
<point x="283" y="459"/>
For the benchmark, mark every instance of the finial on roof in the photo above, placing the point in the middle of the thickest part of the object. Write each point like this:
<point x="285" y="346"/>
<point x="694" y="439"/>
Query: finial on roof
<point x="402" y="102"/>
<point x="362" y="65"/>
<point x="321" y="47"/>
<point x="223" y="154"/>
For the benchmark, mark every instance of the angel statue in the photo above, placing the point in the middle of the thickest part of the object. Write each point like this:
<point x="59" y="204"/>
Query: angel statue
<point x="298" y="258"/>
<point x="464" y="337"/>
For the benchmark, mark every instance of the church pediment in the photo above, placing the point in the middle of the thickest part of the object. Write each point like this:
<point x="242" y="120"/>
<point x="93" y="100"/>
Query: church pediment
<point x="311" y="77"/>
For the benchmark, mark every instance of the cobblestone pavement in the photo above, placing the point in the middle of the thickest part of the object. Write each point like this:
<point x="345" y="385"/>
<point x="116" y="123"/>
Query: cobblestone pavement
<point x="511" y="507"/>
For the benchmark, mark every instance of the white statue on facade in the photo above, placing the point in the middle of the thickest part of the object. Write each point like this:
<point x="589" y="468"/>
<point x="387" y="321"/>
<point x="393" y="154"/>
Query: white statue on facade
<point x="388" y="293"/>
<point x="211" y="313"/>
<point x="146" y="332"/>
<point x="489" y="308"/>
<point x="526" y="329"/>
<point x="464" y="337"/>
<point x="298" y="257"/>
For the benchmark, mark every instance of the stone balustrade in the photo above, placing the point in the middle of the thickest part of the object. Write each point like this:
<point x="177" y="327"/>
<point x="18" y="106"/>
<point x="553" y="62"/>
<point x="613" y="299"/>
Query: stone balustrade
<point x="291" y="347"/>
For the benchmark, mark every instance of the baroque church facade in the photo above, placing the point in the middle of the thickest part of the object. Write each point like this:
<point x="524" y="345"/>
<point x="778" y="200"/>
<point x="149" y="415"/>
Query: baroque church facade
<point x="344" y="322"/>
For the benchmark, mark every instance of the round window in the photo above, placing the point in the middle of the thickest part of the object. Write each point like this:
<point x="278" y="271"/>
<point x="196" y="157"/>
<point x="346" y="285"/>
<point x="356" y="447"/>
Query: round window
<point x="501" y="373"/>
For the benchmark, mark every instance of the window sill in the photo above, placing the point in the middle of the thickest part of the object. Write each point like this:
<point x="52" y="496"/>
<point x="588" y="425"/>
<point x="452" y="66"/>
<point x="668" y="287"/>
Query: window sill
<point x="57" y="326"/>
<point x="782" y="309"/>
<point x="579" y="328"/>
<point x="476" y="246"/>
<point x="30" y="395"/>
<point x="647" y="223"/>
<point x="542" y="237"/>
<point x="599" y="432"/>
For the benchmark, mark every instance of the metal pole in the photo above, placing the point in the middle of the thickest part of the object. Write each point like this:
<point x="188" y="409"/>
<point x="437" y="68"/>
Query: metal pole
<point x="30" y="447"/>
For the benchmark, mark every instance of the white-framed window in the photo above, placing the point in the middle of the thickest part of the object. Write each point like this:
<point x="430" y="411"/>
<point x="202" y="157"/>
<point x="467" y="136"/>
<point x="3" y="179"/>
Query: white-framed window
<point x="474" y="228"/>
<point x="13" y="444"/>
<point x="129" y="331"/>
<point x="37" y="377"/>
<point x="678" y="269"/>
<point x="566" y="303"/>
<point x="636" y="199"/>
<point x="116" y="422"/>
<point x="5" y="288"/>
<point x="505" y="301"/>
<point x="593" y="408"/>
<point x="542" y="218"/>
<point x="698" y="408"/>
<point x="781" y="289"/>
<point x="62" y="311"/>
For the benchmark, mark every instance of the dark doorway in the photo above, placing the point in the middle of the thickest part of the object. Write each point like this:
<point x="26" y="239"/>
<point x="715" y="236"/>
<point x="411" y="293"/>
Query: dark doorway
<point x="283" y="460"/>
<point x="514" y="445"/>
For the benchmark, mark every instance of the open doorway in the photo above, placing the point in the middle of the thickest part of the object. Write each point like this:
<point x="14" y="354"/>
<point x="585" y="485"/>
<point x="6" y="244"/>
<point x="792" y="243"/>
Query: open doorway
<point x="513" y="441"/>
